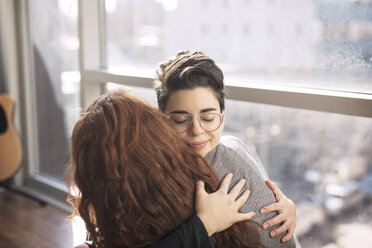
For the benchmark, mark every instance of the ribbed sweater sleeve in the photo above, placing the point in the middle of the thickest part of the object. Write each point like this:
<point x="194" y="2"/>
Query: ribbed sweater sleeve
<point x="232" y="156"/>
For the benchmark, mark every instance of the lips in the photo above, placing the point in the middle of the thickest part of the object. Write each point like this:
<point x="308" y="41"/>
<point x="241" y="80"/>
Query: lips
<point x="198" y="145"/>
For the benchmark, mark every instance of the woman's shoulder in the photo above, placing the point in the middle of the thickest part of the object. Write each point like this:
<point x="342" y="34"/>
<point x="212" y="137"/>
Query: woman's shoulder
<point x="232" y="141"/>
<point x="229" y="156"/>
<point x="236" y="149"/>
<point x="228" y="146"/>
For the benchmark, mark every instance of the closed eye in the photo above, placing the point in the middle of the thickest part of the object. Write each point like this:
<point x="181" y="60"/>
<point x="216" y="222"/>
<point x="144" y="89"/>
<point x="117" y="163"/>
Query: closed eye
<point x="208" y="118"/>
<point x="180" y="121"/>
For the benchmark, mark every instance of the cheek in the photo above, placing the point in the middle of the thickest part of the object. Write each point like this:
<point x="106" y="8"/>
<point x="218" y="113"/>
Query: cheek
<point x="183" y="136"/>
<point x="215" y="137"/>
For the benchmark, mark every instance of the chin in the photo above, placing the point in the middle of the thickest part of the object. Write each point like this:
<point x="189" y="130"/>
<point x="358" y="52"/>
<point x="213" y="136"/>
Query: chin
<point x="203" y="152"/>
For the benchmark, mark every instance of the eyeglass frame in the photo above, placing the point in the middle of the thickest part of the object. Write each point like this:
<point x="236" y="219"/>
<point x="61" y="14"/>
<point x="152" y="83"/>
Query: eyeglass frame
<point x="168" y="117"/>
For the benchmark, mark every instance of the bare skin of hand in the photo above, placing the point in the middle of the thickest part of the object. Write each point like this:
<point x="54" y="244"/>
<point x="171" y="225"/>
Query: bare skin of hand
<point x="286" y="214"/>
<point x="219" y="210"/>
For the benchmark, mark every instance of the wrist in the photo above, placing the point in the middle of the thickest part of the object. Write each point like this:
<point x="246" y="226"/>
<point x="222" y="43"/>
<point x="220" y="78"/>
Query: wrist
<point x="208" y="227"/>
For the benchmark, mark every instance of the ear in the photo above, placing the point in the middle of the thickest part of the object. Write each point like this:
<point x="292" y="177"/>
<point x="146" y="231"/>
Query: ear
<point x="224" y="114"/>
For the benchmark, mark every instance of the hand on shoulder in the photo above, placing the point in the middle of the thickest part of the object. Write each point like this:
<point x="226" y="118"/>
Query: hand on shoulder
<point x="220" y="210"/>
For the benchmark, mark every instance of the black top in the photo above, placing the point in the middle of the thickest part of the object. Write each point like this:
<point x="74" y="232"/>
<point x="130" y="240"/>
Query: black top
<point x="191" y="234"/>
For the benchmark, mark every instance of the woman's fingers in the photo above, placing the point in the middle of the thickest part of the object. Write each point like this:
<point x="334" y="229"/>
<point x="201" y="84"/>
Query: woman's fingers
<point x="245" y="216"/>
<point x="287" y="214"/>
<point x="234" y="192"/>
<point x="274" y="188"/>
<point x="219" y="210"/>
<point x="283" y="228"/>
<point x="270" y="208"/>
<point x="289" y="235"/>
<point x="243" y="199"/>
<point x="276" y="220"/>
<point x="225" y="183"/>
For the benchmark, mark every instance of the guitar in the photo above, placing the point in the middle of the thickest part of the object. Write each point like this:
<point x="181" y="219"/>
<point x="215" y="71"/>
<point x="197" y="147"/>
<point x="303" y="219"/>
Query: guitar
<point x="10" y="146"/>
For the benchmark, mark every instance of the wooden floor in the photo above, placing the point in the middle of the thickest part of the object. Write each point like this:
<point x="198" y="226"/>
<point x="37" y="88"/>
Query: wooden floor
<point x="24" y="223"/>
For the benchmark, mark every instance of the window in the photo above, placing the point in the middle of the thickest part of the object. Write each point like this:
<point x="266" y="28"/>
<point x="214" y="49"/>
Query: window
<point x="53" y="26"/>
<point x="332" y="52"/>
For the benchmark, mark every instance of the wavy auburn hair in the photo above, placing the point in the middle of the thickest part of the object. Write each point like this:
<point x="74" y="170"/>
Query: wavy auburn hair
<point x="136" y="177"/>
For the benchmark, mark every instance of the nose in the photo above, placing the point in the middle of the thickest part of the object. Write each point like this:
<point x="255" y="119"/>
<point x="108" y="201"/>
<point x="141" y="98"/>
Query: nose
<point x="195" y="128"/>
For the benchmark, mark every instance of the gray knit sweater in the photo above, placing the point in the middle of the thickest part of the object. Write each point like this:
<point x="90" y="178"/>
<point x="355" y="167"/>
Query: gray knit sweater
<point x="232" y="156"/>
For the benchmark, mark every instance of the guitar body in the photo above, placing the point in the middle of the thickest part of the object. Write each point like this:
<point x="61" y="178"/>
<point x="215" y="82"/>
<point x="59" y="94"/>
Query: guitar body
<point x="10" y="147"/>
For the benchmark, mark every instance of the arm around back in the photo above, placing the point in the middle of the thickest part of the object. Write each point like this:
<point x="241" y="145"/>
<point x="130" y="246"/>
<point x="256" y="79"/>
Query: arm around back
<point x="191" y="234"/>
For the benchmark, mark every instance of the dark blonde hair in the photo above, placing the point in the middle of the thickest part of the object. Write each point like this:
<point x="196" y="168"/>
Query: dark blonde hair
<point x="136" y="177"/>
<point x="189" y="70"/>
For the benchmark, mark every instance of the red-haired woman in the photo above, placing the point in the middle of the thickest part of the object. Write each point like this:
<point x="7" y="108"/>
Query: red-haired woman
<point x="136" y="178"/>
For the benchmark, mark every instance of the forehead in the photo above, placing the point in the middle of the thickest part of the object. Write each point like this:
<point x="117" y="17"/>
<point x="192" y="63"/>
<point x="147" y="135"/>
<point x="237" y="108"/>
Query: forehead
<point x="192" y="101"/>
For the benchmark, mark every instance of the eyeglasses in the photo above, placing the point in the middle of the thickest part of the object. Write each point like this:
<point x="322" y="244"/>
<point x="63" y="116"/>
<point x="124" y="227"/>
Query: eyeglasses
<point x="180" y="123"/>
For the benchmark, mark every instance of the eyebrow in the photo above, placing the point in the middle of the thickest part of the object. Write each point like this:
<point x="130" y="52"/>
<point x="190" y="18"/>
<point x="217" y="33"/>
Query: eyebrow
<point x="207" y="110"/>
<point x="179" y="112"/>
<point x="185" y="112"/>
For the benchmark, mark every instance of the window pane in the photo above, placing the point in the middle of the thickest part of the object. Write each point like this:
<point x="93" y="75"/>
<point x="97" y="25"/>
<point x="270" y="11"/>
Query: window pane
<point x="322" y="161"/>
<point x="55" y="53"/>
<point x="326" y="44"/>
<point x="145" y="93"/>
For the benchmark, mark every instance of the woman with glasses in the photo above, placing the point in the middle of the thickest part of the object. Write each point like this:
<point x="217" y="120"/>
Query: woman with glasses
<point x="136" y="178"/>
<point x="190" y="91"/>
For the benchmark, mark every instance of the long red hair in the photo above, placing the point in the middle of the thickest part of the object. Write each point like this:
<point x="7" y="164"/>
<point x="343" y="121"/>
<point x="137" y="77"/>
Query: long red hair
<point x="136" y="177"/>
